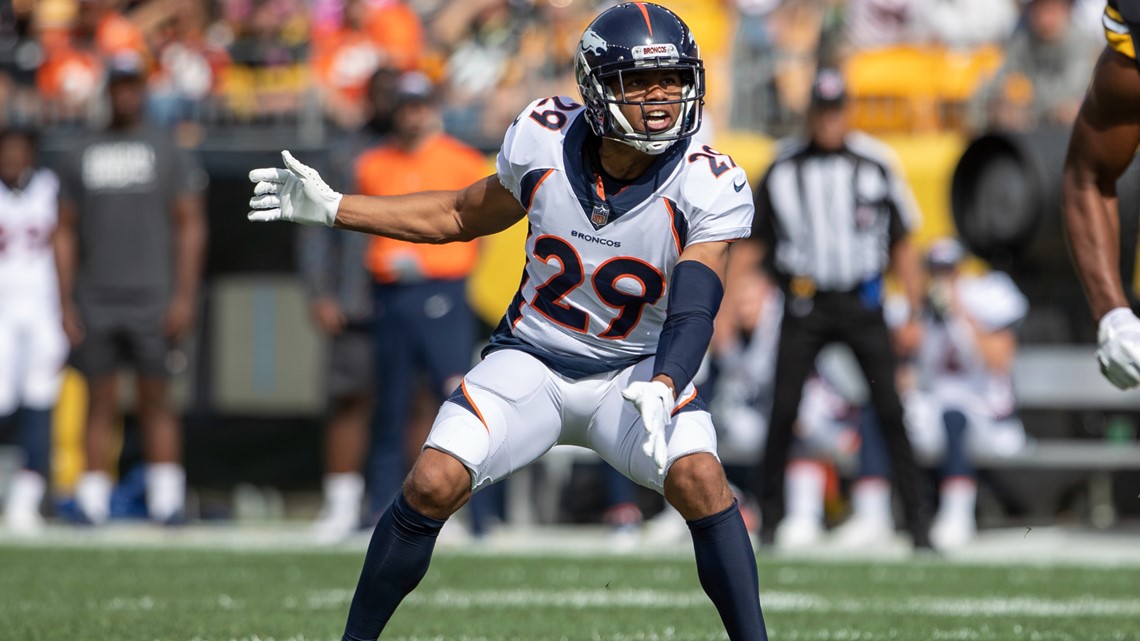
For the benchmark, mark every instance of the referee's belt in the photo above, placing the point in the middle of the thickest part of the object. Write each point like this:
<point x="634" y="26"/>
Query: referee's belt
<point x="804" y="287"/>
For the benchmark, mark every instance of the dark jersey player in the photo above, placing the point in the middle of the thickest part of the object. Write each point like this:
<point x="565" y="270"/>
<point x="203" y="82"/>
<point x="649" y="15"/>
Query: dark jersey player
<point x="1105" y="136"/>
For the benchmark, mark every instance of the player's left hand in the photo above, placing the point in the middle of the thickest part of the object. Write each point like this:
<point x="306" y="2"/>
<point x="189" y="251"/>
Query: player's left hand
<point x="1118" y="347"/>
<point x="654" y="402"/>
<point x="296" y="193"/>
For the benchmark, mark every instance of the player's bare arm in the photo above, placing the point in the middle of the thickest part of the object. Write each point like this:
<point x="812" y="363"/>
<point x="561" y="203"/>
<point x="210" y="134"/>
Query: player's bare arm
<point x="190" y="254"/>
<point x="65" y="245"/>
<point x="481" y="209"/>
<point x="1104" y="140"/>
<point x="297" y="193"/>
<point x="905" y="264"/>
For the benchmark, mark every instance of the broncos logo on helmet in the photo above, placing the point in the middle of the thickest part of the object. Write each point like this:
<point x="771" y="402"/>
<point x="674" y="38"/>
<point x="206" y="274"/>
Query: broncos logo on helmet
<point x="632" y="37"/>
<point x="592" y="43"/>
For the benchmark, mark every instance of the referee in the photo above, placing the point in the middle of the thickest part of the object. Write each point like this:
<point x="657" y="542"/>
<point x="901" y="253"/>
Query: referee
<point x="834" y="216"/>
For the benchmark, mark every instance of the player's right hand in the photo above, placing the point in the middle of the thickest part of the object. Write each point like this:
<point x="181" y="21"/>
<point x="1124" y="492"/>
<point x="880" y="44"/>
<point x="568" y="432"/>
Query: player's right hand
<point x="1118" y="351"/>
<point x="296" y="193"/>
<point x="654" y="402"/>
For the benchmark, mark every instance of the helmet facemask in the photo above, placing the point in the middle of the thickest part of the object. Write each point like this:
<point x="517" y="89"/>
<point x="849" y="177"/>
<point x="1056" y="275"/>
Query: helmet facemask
<point x="604" y="104"/>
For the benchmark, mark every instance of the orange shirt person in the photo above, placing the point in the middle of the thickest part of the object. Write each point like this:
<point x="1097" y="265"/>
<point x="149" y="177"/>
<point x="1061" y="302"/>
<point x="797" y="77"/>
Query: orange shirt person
<point x="423" y="328"/>
<point x="420" y="158"/>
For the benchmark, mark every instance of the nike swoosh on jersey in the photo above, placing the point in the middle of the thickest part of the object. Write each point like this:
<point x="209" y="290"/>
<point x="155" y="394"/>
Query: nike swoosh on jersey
<point x="740" y="185"/>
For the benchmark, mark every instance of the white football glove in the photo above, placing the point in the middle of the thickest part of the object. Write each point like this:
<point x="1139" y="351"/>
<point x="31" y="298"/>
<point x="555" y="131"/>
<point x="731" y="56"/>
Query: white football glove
<point x="654" y="402"/>
<point x="297" y="193"/>
<point x="1118" y="351"/>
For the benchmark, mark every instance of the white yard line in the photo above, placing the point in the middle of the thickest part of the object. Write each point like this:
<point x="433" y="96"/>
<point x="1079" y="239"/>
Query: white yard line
<point x="1042" y="546"/>
<point x="777" y="602"/>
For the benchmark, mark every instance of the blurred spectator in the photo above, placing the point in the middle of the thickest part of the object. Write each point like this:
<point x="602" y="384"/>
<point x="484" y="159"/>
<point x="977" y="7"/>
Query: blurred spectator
<point x="343" y="60"/>
<point x="754" y="99"/>
<point x="966" y="23"/>
<point x="1047" y="66"/>
<point x="188" y="66"/>
<point x="332" y="264"/>
<point x="270" y="33"/>
<point x="396" y="28"/>
<point x="70" y="73"/>
<point x="129" y="248"/>
<point x="20" y="56"/>
<point x="423" y="325"/>
<point x="961" y="403"/>
<point x="835" y="216"/>
<point x="33" y="347"/>
<point x="76" y="40"/>
<point x="270" y="49"/>
<point x="481" y="40"/>
<point x="880" y="23"/>
<point x="543" y="64"/>
<point x="101" y="26"/>
<point x="965" y="375"/>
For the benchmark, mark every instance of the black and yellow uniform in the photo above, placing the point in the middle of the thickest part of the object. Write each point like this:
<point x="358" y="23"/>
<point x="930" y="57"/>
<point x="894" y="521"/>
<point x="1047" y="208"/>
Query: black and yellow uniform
<point x="1122" y="26"/>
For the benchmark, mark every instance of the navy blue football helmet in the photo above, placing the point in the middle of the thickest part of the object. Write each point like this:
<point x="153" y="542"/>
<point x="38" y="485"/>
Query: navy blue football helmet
<point x="632" y="37"/>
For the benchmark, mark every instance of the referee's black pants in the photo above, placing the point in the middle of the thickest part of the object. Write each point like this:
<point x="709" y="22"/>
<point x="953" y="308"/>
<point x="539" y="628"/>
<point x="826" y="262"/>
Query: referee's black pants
<point x="838" y="318"/>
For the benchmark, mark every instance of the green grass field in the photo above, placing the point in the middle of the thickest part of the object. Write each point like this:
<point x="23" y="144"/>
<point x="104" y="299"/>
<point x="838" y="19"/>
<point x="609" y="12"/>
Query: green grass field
<point x="118" y="594"/>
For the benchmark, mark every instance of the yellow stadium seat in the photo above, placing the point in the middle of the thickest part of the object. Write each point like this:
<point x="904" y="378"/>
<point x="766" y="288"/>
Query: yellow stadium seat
<point x="911" y="88"/>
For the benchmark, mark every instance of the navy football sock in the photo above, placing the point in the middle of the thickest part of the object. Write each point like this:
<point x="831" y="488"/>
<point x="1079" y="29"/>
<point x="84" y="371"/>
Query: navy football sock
<point x="726" y="566"/>
<point x="397" y="560"/>
<point x="957" y="461"/>
<point x="35" y="437"/>
<point x="873" y="457"/>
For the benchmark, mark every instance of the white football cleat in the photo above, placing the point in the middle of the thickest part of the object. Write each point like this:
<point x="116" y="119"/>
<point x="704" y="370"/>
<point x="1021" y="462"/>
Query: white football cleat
<point x="668" y="527"/>
<point x="797" y="532"/>
<point x="952" y="533"/>
<point x="864" y="532"/>
<point x="334" y="527"/>
<point x="23" y="522"/>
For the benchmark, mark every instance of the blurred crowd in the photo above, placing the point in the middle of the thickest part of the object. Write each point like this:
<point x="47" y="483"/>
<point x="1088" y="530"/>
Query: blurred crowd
<point x="914" y="64"/>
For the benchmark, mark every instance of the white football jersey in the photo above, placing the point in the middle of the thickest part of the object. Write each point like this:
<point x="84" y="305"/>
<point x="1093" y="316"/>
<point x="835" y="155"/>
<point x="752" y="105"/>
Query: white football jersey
<point x="993" y="302"/>
<point x="27" y="219"/>
<point x="595" y="286"/>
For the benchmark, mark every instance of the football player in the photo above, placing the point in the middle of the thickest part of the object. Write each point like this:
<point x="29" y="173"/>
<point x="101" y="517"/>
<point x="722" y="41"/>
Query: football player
<point x="1104" y="140"/>
<point x="630" y="220"/>
<point x="33" y="347"/>
<point x="958" y="396"/>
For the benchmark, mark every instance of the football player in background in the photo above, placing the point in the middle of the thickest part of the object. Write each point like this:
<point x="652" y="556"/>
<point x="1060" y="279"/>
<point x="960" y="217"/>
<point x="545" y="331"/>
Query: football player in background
<point x="630" y="221"/>
<point x="1105" y="136"/>
<point x="33" y="347"/>
<point x="958" y="396"/>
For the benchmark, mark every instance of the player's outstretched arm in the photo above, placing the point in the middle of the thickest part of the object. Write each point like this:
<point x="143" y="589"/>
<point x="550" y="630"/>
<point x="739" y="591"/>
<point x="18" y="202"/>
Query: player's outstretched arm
<point x="298" y="193"/>
<point x="1105" y="136"/>
<point x="485" y="207"/>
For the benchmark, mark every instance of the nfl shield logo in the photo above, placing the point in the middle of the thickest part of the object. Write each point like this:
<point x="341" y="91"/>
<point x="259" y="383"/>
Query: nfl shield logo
<point x="600" y="215"/>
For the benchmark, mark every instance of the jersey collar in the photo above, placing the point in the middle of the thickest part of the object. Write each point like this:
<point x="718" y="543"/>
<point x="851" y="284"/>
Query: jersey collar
<point x="581" y="177"/>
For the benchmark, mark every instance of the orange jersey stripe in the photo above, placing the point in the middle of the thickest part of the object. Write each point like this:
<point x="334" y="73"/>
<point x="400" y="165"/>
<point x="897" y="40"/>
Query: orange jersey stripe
<point x="537" y="185"/>
<point x="672" y="225"/>
<point x="688" y="399"/>
<point x="463" y="386"/>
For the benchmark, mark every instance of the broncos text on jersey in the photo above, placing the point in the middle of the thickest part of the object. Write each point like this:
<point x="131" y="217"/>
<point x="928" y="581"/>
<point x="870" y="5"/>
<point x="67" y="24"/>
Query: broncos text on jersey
<point x="595" y="285"/>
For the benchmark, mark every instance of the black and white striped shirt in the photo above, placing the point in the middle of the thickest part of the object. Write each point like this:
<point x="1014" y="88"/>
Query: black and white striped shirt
<point x="832" y="216"/>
